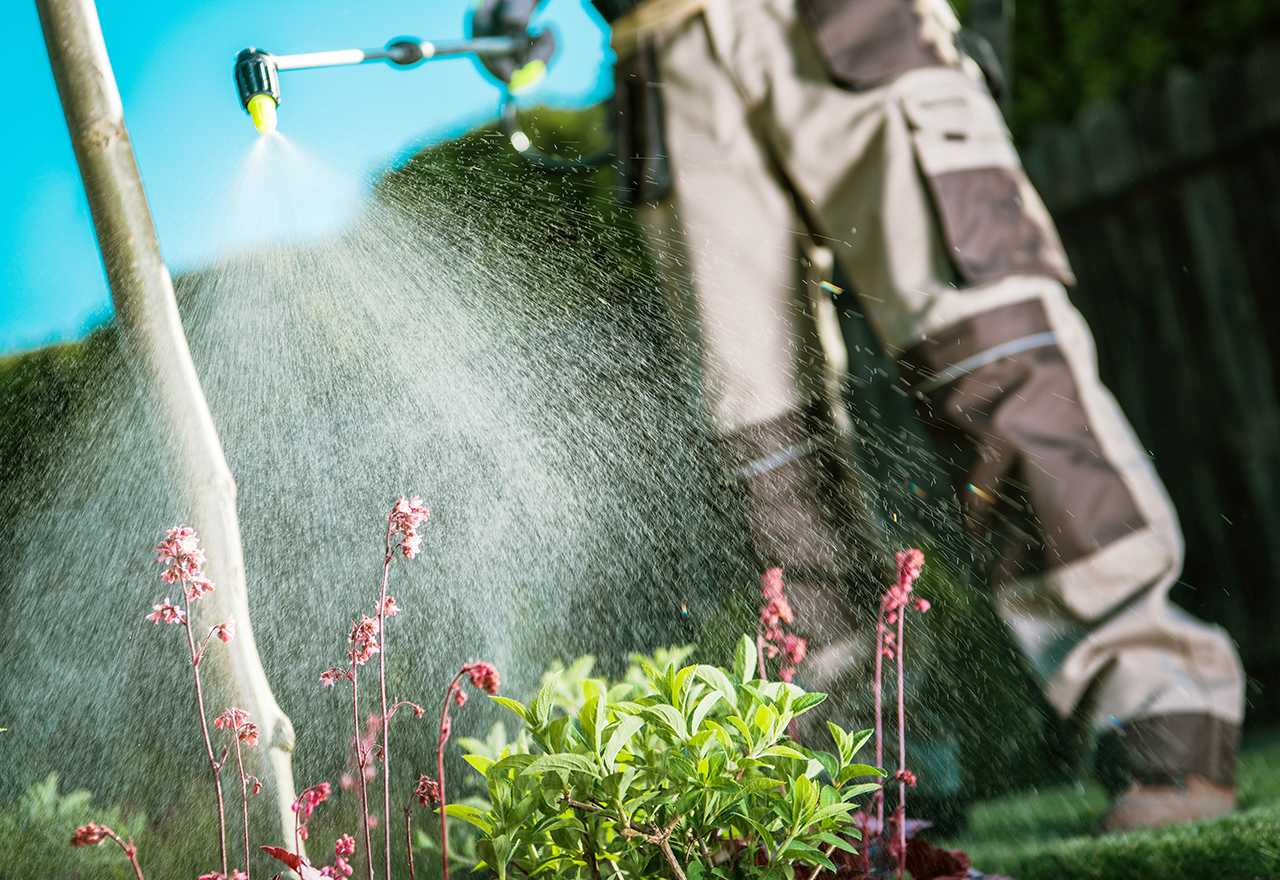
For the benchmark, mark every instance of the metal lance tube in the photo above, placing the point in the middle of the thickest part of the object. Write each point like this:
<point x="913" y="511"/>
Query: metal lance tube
<point x="156" y="349"/>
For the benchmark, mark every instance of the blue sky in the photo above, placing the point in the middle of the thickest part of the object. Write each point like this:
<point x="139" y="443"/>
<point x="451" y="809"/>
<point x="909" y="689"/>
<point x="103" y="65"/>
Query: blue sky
<point x="173" y="63"/>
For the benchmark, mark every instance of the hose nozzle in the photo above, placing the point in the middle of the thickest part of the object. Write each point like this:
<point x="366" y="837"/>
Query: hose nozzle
<point x="258" y="84"/>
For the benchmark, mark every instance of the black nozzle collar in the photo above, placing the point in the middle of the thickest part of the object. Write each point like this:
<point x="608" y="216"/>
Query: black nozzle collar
<point x="256" y="74"/>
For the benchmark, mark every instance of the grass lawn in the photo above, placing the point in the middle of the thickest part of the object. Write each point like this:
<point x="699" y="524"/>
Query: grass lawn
<point x="1046" y="834"/>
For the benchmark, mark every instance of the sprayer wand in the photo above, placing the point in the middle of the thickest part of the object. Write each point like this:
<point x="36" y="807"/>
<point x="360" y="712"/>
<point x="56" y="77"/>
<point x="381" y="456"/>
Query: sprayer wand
<point x="257" y="73"/>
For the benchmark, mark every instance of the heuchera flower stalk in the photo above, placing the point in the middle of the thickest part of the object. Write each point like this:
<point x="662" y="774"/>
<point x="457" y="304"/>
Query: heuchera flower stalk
<point x="180" y="551"/>
<point x="893" y="607"/>
<point x="367" y="638"/>
<point x="484" y="676"/>
<point x="771" y="641"/>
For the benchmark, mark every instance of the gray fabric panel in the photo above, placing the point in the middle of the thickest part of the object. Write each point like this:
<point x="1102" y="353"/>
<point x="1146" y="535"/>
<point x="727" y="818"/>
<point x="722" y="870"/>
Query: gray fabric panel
<point x="1036" y="488"/>
<point x="863" y="42"/>
<point x="1162" y="750"/>
<point x="988" y="233"/>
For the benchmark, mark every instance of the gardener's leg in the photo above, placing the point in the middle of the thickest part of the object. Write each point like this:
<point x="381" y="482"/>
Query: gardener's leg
<point x="960" y="271"/>
<point x="729" y="235"/>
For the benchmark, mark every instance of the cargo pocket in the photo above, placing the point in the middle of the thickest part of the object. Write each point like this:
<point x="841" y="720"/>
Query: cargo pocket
<point x="992" y="220"/>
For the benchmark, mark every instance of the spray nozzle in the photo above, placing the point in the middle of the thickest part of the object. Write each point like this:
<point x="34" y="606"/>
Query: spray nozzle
<point x="258" y="84"/>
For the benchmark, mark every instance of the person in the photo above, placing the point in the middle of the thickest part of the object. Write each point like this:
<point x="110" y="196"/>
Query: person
<point x="758" y="127"/>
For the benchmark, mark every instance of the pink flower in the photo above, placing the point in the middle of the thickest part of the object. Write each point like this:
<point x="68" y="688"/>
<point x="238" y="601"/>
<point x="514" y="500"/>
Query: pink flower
<point x="180" y="550"/>
<point x="427" y="792"/>
<point x="405" y="518"/>
<point x="364" y="635"/>
<point x="905" y="776"/>
<point x="910" y="563"/>
<point x="312" y="798"/>
<point x="226" y="631"/>
<point x="237" y="720"/>
<point x="197" y="586"/>
<point x="90" y="835"/>
<point x="231" y="719"/>
<point x="390" y="607"/>
<point x="333" y="675"/>
<point x="771" y="585"/>
<point x="459" y="697"/>
<point x="165" y="612"/>
<point x="411" y="545"/>
<point x="345" y="846"/>
<point x="794" y="648"/>
<point x="483" y="676"/>
<point x="922" y="605"/>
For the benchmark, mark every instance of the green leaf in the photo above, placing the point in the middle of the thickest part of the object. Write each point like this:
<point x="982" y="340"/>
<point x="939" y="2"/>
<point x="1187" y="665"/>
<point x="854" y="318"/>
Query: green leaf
<point x="622" y="733"/>
<point x="514" y="706"/>
<point x="783" y="751"/>
<point x="480" y="762"/>
<point x="744" y="660"/>
<point x="758" y="784"/>
<point x="592" y="719"/>
<point x="541" y="708"/>
<point x="705" y="705"/>
<point x="715" y="677"/>
<point x="805" y="702"/>
<point x="854" y="770"/>
<point x="858" y="790"/>
<point x="516" y="762"/>
<point x="829" y="763"/>
<point x="804" y="794"/>
<point x="562" y="762"/>
<point x="858" y="740"/>
<point x="837" y="841"/>
<point x="800" y="851"/>
<point x="481" y="820"/>
<point x="823" y="813"/>
<point x="667" y="716"/>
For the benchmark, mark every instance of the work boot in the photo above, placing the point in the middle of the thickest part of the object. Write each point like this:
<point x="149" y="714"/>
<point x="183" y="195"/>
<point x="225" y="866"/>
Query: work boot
<point x="1149" y="806"/>
<point x="1168" y="769"/>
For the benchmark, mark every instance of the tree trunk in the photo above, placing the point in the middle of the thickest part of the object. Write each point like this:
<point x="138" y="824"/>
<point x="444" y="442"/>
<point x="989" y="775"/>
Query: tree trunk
<point x="156" y="348"/>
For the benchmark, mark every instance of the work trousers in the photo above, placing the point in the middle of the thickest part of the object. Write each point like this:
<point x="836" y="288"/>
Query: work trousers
<point x="914" y="185"/>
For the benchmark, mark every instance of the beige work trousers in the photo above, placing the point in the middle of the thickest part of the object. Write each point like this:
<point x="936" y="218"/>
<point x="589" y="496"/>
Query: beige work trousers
<point x="768" y="155"/>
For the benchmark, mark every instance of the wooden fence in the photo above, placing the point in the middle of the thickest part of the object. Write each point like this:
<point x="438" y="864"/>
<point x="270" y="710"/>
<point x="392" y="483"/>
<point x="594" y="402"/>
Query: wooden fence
<point x="1169" y="206"/>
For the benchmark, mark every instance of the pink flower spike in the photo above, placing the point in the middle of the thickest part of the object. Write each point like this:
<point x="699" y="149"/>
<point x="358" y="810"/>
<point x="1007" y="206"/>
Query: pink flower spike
<point x="345" y="846"/>
<point x="165" y="612"/>
<point x="483" y="676"/>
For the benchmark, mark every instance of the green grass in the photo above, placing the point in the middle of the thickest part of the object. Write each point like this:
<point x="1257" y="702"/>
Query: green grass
<point x="1046" y="834"/>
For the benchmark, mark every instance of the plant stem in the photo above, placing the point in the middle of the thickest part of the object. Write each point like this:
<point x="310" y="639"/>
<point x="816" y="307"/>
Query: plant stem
<point x="760" y="650"/>
<point x="440" y="741"/>
<point x="902" y="754"/>
<point x="244" y="799"/>
<point x="876" y="690"/>
<point x="214" y="766"/>
<point x="408" y="838"/>
<point x="130" y="852"/>
<point x="360" y="762"/>
<point x="386" y="725"/>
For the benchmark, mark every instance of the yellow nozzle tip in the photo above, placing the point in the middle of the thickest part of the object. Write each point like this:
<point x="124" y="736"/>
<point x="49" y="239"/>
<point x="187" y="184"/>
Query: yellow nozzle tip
<point x="527" y="75"/>
<point x="263" y="110"/>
